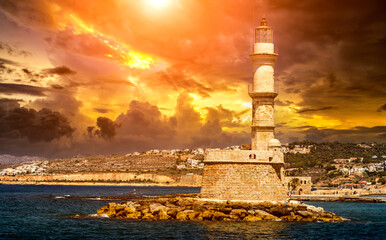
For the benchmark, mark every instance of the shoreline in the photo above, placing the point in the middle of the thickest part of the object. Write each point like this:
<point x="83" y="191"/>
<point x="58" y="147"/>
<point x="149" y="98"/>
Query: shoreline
<point x="342" y="198"/>
<point x="97" y="184"/>
<point x="365" y="198"/>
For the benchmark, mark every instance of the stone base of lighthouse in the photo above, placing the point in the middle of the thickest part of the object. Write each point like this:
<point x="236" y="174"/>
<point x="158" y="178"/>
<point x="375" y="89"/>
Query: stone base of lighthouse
<point x="244" y="175"/>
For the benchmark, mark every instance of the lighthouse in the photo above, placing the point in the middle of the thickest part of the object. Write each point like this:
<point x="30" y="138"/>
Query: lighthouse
<point x="262" y="91"/>
<point x="256" y="173"/>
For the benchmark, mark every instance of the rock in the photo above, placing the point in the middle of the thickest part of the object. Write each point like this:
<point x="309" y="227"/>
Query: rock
<point x="251" y="212"/>
<point x="294" y="203"/>
<point x="162" y="201"/>
<point x="298" y="218"/>
<point x="234" y="217"/>
<point x="325" y="219"/>
<point x="185" y="202"/>
<point x="198" y="206"/>
<point x="102" y="210"/>
<point x="130" y="209"/>
<point x="265" y="205"/>
<point x="239" y="212"/>
<point x="315" y="209"/>
<point x="119" y="208"/>
<point x="219" y="216"/>
<point x="241" y="205"/>
<point x="187" y="208"/>
<point x="265" y="215"/>
<point x="289" y="218"/>
<point x="121" y="214"/>
<point x="301" y="208"/>
<point x="112" y="205"/>
<point x="305" y="214"/>
<point x="207" y="215"/>
<point x="281" y="210"/>
<point x="337" y="219"/>
<point x="110" y="212"/>
<point x="251" y="218"/>
<point x="144" y="210"/>
<point x="134" y="215"/>
<point x="148" y="216"/>
<point x="326" y="215"/>
<point x="225" y="210"/>
<point x="183" y="215"/>
<point x="170" y="205"/>
<point x="156" y="207"/>
<point x="162" y="215"/>
<point x="194" y="216"/>
<point x="172" y="212"/>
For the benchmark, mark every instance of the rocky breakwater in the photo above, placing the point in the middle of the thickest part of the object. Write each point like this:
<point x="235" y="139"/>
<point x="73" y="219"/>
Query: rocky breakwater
<point x="196" y="209"/>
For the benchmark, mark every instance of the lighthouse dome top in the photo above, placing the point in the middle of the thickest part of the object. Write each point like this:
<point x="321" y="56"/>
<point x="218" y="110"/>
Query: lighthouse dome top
<point x="274" y="143"/>
<point x="263" y="22"/>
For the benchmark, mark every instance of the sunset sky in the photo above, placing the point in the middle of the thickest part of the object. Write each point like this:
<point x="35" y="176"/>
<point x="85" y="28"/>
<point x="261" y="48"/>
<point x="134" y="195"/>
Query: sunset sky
<point x="117" y="76"/>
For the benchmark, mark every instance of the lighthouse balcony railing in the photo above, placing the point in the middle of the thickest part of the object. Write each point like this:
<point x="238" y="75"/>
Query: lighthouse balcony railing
<point x="275" y="50"/>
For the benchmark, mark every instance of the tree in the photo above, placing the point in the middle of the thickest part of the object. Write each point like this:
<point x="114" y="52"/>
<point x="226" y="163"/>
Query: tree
<point x="294" y="183"/>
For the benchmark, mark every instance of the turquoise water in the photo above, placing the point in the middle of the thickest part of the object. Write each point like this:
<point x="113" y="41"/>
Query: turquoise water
<point x="39" y="212"/>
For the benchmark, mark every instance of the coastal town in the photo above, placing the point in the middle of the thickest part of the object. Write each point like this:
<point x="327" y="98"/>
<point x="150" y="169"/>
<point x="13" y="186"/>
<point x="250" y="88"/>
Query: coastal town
<point x="354" y="175"/>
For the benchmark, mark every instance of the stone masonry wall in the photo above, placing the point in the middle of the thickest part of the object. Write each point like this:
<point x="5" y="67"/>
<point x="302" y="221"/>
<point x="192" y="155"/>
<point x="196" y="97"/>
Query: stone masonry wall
<point x="90" y="177"/>
<point x="303" y="187"/>
<point x="243" y="181"/>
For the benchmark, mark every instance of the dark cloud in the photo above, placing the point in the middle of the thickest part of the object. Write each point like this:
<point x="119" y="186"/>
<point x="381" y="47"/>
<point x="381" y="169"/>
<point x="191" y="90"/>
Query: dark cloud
<point x="356" y="134"/>
<point x="224" y="117"/>
<point x="314" y="134"/>
<point x="185" y="129"/>
<point x="382" y="108"/>
<point x="32" y="75"/>
<point x="7" y="61"/>
<point x="283" y="103"/>
<point x="57" y="86"/>
<point x="62" y="101"/>
<point x="106" y="128"/>
<point x="8" y="104"/>
<point x="62" y="70"/>
<point x="36" y="126"/>
<point x="145" y="120"/>
<point x="10" y="88"/>
<point x="27" y="71"/>
<point x="331" y="54"/>
<point x="29" y="12"/>
<point x="12" y="50"/>
<point x="102" y="110"/>
<point x="314" y="109"/>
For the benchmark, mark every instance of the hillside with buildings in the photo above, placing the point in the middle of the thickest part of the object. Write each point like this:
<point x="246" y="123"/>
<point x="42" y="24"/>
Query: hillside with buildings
<point x="335" y="163"/>
<point x="327" y="164"/>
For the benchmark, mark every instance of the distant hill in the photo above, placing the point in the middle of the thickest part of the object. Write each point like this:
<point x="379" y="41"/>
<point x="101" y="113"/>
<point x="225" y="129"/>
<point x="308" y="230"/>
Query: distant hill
<point x="9" y="159"/>
<point x="111" y="163"/>
<point x="324" y="153"/>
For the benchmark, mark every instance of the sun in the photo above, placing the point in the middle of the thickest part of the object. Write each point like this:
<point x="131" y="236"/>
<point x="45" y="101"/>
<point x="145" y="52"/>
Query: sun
<point x="158" y="3"/>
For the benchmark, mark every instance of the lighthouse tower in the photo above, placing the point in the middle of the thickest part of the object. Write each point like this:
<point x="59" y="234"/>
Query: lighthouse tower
<point x="262" y="90"/>
<point x="256" y="173"/>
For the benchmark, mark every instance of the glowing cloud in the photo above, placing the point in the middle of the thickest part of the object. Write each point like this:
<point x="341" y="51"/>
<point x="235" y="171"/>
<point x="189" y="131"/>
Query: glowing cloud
<point x="121" y="52"/>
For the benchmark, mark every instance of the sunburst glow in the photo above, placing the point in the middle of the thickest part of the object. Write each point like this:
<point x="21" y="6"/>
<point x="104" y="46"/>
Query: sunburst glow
<point x="158" y="3"/>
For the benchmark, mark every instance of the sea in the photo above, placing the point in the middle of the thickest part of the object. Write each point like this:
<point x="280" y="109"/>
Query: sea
<point x="44" y="212"/>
